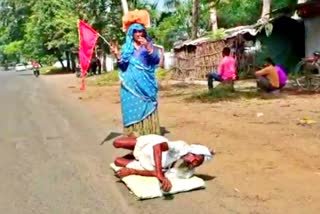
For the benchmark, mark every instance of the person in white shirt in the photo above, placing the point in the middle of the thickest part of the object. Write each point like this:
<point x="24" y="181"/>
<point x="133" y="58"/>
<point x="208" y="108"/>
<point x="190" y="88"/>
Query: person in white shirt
<point x="156" y="156"/>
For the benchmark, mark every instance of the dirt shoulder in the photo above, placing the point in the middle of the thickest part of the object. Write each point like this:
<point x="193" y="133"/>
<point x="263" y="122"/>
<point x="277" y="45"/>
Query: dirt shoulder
<point x="265" y="163"/>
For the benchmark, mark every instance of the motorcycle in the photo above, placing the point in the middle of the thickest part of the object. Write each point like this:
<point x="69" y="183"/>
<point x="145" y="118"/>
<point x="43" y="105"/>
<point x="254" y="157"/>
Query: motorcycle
<point x="36" y="72"/>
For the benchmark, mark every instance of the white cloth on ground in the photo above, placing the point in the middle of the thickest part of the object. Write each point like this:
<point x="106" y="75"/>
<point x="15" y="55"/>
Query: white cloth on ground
<point x="149" y="187"/>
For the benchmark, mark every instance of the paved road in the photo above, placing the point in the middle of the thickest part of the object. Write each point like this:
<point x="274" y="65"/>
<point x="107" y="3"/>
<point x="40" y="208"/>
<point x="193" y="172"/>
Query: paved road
<point x="51" y="160"/>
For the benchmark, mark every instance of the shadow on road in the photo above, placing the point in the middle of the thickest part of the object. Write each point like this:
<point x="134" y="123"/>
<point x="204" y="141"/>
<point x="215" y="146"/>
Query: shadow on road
<point x="164" y="131"/>
<point x="111" y="136"/>
<point x="205" y="177"/>
<point x="25" y="74"/>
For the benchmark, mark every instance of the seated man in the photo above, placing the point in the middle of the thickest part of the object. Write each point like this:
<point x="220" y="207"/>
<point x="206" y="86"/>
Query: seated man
<point x="282" y="76"/>
<point x="226" y="70"/>
<point x="268" y="79"/>
<point x="156" y="155"/>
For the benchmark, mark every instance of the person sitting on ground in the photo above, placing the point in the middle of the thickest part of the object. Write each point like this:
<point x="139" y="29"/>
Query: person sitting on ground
<point x="226" y="71"/>
<point x="160" y="158"/>
<point x="282" y="74"/>
<point x="267" y="78"/>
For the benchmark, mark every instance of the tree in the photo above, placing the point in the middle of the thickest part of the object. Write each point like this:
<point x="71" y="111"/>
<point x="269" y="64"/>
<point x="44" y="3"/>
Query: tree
<point x="238" y="12"/>
<point x="13" y="17"/>
<point x="266" y="7"/>
<point x="51" y="30"/>
<point x="174" y="27"/>
<point x="124" y="4"/>
<point x="195" y="19"/>
<point x="48" y="29"/>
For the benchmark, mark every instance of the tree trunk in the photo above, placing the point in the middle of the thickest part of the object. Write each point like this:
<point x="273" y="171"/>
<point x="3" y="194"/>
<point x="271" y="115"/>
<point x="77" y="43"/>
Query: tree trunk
<point x="68" y="60"/>
<point x="124" y="6"/>
<point x="213" y="19"/>
<point x="73" y="62"/>
<point x="103" y="61"/>
<point x="61" y="61"/>
<point x="195" y="18"/>
<point x="266" y="9"/>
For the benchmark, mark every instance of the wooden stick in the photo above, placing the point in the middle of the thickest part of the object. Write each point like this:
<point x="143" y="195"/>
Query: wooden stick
<point x="104" y="39"/>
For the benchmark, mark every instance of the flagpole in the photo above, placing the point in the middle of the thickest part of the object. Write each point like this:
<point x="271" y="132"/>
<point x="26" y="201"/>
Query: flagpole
<point x="104" y="39"/>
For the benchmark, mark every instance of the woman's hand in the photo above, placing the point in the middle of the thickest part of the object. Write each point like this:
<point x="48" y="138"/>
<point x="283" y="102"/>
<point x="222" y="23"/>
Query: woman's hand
<point x="143" y="41"/>
<point x="115" y="50"/>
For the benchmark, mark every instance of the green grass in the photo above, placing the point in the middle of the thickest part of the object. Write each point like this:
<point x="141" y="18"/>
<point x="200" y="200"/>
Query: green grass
<point x="111" y="78"/>
<point x="108" y="78"/>
<point x="163" y="74"/>
<point x="221" y="94"/>
<point x="52" y="70"/>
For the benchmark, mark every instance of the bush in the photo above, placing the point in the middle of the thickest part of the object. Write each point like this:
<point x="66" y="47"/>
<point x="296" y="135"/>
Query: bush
<point x="52" y="70"/>
<point x="106" y="78"/>
<point x="162" y="74"/>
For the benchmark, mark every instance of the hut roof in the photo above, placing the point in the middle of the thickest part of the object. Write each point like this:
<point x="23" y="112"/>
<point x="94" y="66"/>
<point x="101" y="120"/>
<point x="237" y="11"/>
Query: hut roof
<point x="229" y="33"/>
<point x="255" y="28"/>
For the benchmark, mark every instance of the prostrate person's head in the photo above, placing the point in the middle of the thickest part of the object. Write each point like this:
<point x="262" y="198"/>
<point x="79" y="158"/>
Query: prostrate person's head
<point x="185" y="166"/>
<point x="197" y="155"/>
<point x="226" y="51"/>
<point x="268" y="62"/>
<point x="192" y="160"/>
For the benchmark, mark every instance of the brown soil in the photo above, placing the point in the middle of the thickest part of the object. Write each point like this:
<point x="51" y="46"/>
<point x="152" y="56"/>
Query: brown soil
<point x="266" y="161"/>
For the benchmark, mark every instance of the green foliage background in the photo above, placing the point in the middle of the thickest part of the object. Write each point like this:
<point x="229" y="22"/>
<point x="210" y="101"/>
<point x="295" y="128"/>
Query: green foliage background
<point x="46" y="30"/>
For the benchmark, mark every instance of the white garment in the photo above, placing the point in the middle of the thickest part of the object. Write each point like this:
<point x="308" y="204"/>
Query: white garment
<point x="143" y="151"/>
<point x="201" y="150"/>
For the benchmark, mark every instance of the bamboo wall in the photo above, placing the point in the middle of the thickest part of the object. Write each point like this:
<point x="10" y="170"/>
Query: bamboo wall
<point x="195" y="62"/>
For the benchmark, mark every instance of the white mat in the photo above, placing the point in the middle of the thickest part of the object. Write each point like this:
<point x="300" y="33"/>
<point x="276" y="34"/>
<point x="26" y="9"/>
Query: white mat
<point x="149" y="187"/>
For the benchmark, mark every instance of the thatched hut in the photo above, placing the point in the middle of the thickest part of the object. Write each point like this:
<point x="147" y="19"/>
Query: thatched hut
<point x="281" y="38"/>
<point x="195" y="58"/>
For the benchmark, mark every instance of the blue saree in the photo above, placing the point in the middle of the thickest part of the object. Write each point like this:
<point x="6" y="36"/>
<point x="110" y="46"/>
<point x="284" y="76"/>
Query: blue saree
<point x="139" y="86"/>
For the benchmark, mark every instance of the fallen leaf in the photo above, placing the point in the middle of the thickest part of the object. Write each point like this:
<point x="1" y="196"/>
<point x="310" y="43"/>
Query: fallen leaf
<point x="306" y="121"/>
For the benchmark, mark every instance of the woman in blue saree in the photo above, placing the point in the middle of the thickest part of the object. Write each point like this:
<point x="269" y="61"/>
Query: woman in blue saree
<point x="139" y="89"/>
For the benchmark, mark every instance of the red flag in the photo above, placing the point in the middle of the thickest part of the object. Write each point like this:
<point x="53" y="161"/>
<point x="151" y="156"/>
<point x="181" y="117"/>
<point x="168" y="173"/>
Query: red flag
<point x="87" y="41"/>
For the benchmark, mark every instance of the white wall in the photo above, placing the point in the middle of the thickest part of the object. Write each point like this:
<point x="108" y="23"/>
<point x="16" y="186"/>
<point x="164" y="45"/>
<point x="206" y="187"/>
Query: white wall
<point x="312" y="32"/>
<point x="110" y="60"/>
<point x="168" y="60"/>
